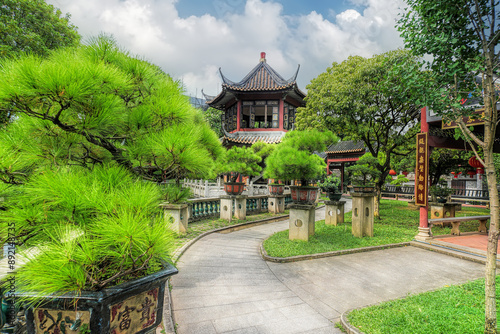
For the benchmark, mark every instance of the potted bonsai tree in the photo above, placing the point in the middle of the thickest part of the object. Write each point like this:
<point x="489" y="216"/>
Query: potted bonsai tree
<point x="440" y="192"/>
<point x="331" y="185"/>
<point x="364" y="174"/>
<point x="294" y="160"/>
<point x="235" y="163"/>
<point x="95" y="131"/>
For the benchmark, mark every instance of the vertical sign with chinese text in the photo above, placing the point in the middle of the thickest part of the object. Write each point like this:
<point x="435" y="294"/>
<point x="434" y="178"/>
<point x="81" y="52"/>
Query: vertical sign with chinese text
<point x="422" y="170"/>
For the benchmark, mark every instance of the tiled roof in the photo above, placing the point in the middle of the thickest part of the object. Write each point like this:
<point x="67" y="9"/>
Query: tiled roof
<point x="262" y="78"/>
<point x="269" y="137"/>
<point x="348" y="146"/>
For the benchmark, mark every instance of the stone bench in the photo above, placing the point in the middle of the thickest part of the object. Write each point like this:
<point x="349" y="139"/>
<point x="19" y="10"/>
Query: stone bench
<point x="455" y="222"/>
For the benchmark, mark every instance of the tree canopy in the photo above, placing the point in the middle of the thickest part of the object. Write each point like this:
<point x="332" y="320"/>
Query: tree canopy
<point x="365" y="99"/>
<point x="93" y="104"/>
<point x="462" y="39"/>
<point x="34" y="26"/>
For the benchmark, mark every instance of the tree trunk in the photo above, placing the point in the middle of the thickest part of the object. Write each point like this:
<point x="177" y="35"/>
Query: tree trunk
<point x="490" y="324"/>
<point x="376" y="205"/>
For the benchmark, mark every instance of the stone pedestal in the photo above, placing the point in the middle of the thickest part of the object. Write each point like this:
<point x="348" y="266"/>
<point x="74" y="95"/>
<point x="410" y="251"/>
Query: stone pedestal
<point x="226" y="207"/>
<point x="443" y="210"/>
<point x="240" y="207"/>
<point x="334" y="212"/>
<point x="301" y="222"/>
<point x="179" y="213"/>
<point x="424" y="234"/>
<point x="362" y="214"/>
<point x="276" y="204"/>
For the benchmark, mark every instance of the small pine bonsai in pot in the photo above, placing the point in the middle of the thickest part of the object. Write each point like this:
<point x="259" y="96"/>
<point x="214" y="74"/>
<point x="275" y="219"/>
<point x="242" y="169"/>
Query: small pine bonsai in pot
<point x="364" y="174"/>
<point x="294" y="160"/>
<point x="331" y="185"/>
<point x="440" y="192"/>
<point x="237" y="162"/>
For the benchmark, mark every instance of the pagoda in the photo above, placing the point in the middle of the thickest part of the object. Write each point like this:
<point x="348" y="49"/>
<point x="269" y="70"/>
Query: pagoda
<point x="261" y="107"/>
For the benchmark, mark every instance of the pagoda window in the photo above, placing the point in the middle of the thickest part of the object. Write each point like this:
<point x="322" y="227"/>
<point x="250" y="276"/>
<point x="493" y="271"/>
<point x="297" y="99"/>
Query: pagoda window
<point x="231" y="118"/>
<point x="260" y="114"/>
<point x="289" y="116"/>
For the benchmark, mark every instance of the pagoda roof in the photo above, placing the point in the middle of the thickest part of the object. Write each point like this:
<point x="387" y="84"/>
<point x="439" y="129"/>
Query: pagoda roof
<point x="348" y="146"/>
<point x="261" y="79"/>
<point x="249" y="138"/>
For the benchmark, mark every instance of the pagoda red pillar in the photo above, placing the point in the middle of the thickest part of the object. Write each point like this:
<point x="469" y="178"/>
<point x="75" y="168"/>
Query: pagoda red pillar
<point x="238" y="118"/>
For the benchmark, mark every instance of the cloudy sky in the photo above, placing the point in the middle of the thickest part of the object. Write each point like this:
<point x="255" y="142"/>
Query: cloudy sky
<point x="191" y="39"/>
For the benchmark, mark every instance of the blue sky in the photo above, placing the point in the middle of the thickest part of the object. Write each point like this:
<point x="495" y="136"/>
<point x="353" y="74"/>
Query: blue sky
<point x="192" y="39"/>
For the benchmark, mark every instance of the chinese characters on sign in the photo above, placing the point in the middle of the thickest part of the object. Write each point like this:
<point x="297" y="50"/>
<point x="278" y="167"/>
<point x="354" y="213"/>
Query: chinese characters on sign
<point x="468" y="120"/>
<point x="135" y="313"/>
<point x="61" y="322"/>
<point x="421" y="171"/>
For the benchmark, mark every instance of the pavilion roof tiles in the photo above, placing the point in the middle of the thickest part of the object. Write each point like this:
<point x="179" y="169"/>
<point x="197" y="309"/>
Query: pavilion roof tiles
<point x="269" y="137"/>
<point x="348" y="146"/>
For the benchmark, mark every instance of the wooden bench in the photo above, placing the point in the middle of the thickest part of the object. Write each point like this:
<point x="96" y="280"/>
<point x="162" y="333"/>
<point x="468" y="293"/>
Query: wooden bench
<point x="455" y="222"/>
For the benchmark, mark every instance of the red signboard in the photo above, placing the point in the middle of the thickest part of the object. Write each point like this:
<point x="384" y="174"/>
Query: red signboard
<point x="422" y="170"/>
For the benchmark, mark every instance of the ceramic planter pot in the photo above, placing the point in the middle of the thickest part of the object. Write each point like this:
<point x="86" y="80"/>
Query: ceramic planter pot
<point x="304" y="195"/>
<point x="276" y="189"/>
<point x="131" y="307"/>
<point x="334" y="195"/>
<point x="234" y="188"/>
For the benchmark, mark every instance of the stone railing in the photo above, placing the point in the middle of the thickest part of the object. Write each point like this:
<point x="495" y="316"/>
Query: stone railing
<point x="202" y="208"/>
<point x="206" y="189"/>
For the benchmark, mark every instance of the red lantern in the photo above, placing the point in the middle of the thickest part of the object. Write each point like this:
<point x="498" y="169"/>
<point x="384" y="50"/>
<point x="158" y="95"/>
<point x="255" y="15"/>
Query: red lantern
<point x="392" y="172"/>
<point x="405" y="173"/>
<point x="473" y="162"/>
<point x="455" y="175"/>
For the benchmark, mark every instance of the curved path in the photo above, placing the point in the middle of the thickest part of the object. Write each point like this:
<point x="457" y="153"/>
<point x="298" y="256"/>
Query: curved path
<point x="224" y="286"/>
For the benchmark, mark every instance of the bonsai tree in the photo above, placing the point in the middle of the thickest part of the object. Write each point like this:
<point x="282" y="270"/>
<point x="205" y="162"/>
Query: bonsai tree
<point x="364" y="171"/>
<point x="294" y="158"/>
<point x="95" y="131"/>
<point x="439" y="192"/>
<point x="330" y="184"/>
<point x="239" y="160"/>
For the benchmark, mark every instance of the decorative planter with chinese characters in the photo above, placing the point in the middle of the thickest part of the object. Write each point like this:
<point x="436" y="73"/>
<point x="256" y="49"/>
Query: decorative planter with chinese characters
<point x="304" y="195"/>
<point x="234" y="188"/>
<point x="131" y="307"/>
<point x="276" y="189"/>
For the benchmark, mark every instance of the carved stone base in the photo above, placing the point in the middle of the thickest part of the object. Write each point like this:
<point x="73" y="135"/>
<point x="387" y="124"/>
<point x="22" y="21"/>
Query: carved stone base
<point x="424" y="234"/>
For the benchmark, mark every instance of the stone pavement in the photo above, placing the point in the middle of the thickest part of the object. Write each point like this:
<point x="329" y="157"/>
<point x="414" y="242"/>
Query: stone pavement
<point x="224" y="286"/>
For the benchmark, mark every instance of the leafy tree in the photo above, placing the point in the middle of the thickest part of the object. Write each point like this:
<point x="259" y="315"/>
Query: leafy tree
<point x="462" y="38"/>
<point x="34" y="26"/>
<point x="365" y="99"/>
<point x="213" y="118"/>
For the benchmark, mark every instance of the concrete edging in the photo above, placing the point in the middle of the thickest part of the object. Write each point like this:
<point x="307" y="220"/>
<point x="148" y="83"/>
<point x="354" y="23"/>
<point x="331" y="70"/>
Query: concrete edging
<point x="327" y="254"/>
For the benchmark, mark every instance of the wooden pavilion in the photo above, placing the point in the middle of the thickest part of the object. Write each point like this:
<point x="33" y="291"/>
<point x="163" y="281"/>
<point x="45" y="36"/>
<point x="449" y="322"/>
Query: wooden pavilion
<point x="260" y="107"/>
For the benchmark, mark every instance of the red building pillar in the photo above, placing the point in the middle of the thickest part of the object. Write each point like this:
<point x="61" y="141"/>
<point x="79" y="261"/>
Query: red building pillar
<point x="424" y="231"/>
<point x="238" y="118"/>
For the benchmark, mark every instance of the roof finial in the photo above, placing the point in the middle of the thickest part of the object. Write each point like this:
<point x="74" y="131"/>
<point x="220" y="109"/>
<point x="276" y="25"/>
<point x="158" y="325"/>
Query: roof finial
<point x="263" y="57"/>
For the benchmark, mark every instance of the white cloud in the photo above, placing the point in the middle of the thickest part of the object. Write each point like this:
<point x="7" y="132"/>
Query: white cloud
<point x="193" y="48"/>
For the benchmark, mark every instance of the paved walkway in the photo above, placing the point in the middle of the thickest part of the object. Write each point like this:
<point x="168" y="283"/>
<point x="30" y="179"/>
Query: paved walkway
<point x="224" y="286"/>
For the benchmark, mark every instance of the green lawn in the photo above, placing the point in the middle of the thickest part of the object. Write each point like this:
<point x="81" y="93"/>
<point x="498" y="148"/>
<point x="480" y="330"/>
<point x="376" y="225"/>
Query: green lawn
<point x="452" y="309"/>
<point x="398" y="223"/>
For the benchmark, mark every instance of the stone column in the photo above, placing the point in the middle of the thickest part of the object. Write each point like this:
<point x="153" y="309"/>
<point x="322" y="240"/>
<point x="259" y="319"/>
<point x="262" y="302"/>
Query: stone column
<point x="276" y="204"/>
<point x="226" y="207"/>
<point x="179" y="213"/>
<point x="301" y="222"/>
<point x="334" y="212"/>
<point x="362" y="214"/>
<point x="240" y="207"/>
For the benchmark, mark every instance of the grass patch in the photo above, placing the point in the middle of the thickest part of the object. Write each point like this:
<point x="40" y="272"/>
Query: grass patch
<point x="452" y="309"/>
<point x="205" y="225"/>
<point x="398" y="223"/>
